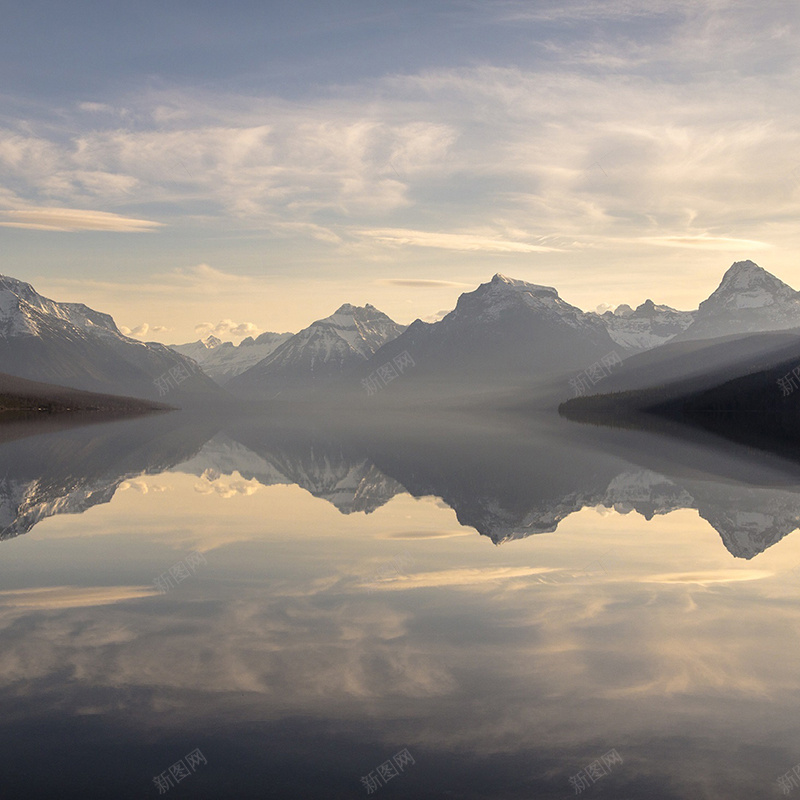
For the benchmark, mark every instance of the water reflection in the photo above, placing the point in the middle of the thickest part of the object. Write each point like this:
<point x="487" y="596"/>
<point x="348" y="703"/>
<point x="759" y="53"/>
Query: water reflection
<point x="503" y="483"/>
<point x="297" y="663"/>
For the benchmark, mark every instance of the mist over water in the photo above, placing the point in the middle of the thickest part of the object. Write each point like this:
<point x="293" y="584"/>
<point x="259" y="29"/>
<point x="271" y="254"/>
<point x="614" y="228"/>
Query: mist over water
<point x="507" y="599"/>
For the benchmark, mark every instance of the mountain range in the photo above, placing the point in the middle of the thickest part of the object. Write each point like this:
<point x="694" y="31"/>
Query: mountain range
<point x="71" y="345"/>
<point x="506" y="334"/>
<point x="222" y="361"/>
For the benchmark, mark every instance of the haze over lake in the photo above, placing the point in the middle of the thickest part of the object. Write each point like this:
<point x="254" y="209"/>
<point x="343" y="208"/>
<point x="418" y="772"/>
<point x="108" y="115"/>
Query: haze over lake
<point x="303" y="605"/>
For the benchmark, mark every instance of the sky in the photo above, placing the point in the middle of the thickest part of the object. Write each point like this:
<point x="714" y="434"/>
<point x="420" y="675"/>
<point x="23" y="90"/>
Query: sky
<point x="192" y="167"/>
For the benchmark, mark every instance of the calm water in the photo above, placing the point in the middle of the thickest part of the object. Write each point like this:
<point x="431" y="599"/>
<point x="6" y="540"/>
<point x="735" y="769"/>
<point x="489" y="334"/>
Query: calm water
<point x="442" y="608"/>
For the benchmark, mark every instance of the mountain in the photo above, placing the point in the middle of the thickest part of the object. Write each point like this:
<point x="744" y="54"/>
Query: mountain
<point x="319" y="354"/>
<point x="758" y="409"/>
<point x="751" y="322"/>
<point x="748" y="300"/>
<point x="224" y="360"/>
<point x="648" y="326"/>
<point x="70" y="344"/>
<point x="506" y="332"/>
<point x="683" y="367"/>
<point x="199" y="350"/>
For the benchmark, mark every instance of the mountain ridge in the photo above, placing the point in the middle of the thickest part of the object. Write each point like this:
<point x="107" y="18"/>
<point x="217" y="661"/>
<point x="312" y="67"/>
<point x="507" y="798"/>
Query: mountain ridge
<point x="72" y="345"/>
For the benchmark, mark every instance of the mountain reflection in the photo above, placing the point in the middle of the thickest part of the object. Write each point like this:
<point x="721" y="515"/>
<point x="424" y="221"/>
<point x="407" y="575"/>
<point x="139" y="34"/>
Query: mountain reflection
<point x="503" y="483"/>
<point x="313" y="645"/>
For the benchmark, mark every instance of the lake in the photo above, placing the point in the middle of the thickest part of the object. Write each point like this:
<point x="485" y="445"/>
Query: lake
<point x="410" y="606"/>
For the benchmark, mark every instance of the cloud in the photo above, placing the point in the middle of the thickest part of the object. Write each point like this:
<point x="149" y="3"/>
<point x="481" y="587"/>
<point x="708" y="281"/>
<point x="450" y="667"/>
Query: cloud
<point x="141" y="486"/>
<point x="579" y="10"/>
<point x="727" y="244"/>
<point x="439" y="315"/>
<point x="443" y="534"/>
<point x="97" y="108"/>
<point x="138" y="332"/>
<point x="452" y="241"/>
<point x="419" y="283"/>
<point x="709" y="577"/>
<point x="227" y="327"/>
<point x="137" y="484"/>
<point x="199" y="279"/>
<point x="59" y="597"/>
<point x="73" y="219"/>
<point x="302" y="161"/>
<point x="455" y="577"/>
<point x="585" y="144"/>
<point x="228" y="488"/>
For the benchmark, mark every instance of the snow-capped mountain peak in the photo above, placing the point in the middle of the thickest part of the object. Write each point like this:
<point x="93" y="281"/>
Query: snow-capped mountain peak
<point x="23" y="311"/>
<point x="324" y="350"/>
<point x="504" y="283"/>
<point x="362" y="328"/>
<point x="748" y="300"/>
<point x="70" y="344"/>
<point x="224" y="360"/>
<point x="502" y="294"/>
<point x="746" y="285"/>
<point x="648" y="326"/>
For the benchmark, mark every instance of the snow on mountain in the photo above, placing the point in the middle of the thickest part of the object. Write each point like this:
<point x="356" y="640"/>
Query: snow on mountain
<point x="504" y="332"/>
<point x="648" y="326"/>
<point x="224" y="360"/>
<point x="748" y="300"/>
<point x="492" y="300"/>
<point x="70" y="344"/>
<point x="18" y="299"/>
<point x="746" y="285"/>
<point x="320" y="353"/>
<point x="199" y="350"/>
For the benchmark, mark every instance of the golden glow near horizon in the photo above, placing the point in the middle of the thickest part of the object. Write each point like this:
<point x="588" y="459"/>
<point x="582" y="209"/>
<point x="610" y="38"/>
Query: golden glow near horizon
<point x="616" y="151"/>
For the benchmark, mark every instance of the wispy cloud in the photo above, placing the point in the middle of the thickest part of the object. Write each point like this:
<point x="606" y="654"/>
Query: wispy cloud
<point x="421" y="283"/>
<point x="60" y="597"/>
<point x="710" y="577"/>
<point x="227" y="327"/>
<point x="142" y="329"/>
<point x="455" y="577"/>
<point x="227" y="488"/>
<point x="708" y="243"/>
<point x="452" y="241"/>
<point x="198" y="279"/>
<point x="73" y="219"/>
<point x="581" y="10"/>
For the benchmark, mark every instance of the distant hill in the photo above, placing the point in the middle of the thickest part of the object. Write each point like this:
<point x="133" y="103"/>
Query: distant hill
<point x="22" y="396"/>
<point x="749" y="391"/>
